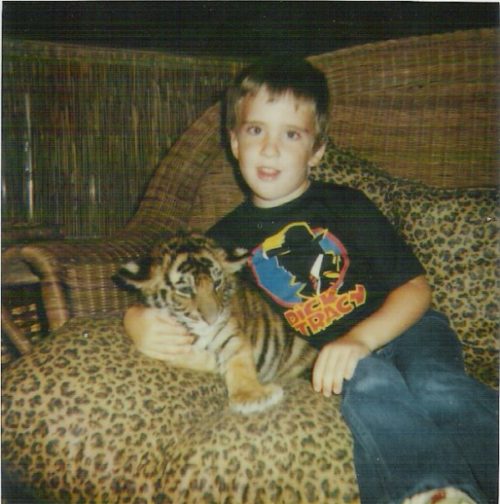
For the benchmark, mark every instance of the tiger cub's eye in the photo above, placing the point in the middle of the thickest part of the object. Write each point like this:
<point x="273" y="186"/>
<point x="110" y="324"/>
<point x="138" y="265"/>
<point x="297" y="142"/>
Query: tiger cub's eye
<point x="185" y="291"/>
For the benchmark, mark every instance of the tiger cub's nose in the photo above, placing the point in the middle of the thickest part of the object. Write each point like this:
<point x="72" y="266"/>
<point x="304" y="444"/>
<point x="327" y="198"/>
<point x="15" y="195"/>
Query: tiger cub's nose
<point x="207" y="300"/>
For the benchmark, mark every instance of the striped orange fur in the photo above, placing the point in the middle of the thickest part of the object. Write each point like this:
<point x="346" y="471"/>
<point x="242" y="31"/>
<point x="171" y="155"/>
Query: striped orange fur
<point x="237" y="333"/>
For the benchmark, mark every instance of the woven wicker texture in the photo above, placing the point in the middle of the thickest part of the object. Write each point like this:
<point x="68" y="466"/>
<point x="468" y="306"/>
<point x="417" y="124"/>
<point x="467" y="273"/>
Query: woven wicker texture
<point x="424" y="108"/>
<point x="194" y="184"/>
<point x="98" y="122"/>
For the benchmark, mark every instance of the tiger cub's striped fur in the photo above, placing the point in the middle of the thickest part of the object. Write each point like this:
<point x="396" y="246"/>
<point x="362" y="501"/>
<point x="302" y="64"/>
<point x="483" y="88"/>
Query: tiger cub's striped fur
<point x="238" y="334"/>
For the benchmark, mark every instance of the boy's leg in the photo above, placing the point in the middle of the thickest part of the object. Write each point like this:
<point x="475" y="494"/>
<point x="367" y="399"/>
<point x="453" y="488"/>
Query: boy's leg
<point x="371" y="486"/>
<point x="399" y="449"/>
<point x="429" y="357"/>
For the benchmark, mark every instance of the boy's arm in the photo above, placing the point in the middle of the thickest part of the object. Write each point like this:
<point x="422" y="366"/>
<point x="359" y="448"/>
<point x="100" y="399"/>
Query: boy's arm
<point x="337" y="360"/>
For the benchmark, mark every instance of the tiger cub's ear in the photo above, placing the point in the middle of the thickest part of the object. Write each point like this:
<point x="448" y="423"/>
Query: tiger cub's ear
<point x="134" y="274"/>
<point x="235" y="260"/>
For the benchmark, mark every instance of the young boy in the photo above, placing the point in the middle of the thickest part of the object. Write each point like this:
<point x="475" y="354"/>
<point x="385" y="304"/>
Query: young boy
<point x="424" y="431"/>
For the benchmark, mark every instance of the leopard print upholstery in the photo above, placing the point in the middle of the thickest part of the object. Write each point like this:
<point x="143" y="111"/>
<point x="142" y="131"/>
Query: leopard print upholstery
<point x="86" y="418"/>
<point x="89" y="419"/>
<point x="453" y="233"/>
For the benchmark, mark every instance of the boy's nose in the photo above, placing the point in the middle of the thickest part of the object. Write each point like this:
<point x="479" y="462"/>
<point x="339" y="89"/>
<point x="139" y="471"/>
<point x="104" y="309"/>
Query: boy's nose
<point x="270" y="147"/>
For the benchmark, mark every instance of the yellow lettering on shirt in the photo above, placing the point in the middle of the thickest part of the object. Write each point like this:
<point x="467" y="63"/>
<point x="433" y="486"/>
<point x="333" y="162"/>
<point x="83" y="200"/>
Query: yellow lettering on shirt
<point x="318" y="313"/>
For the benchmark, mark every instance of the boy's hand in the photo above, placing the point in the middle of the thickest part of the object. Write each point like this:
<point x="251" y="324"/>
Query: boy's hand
<point x="337" y="362"/>
<point x="155" y="334"/>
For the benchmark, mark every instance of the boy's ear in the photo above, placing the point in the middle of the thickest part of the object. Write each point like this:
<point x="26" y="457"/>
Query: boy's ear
<point x="235" y="145"/>
<point x="317" y="155"/>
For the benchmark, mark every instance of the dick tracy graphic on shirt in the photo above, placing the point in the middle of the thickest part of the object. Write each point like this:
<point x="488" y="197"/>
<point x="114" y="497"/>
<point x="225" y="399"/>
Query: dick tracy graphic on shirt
<point x="303" y="269"/>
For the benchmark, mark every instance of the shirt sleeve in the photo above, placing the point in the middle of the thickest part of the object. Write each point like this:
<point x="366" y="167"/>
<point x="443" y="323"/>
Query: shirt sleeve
<point x="391" y="260"/>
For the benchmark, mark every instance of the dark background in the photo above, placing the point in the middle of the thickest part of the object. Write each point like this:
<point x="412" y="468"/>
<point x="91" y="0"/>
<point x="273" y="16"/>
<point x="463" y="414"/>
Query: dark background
<point x="232" y="28"/>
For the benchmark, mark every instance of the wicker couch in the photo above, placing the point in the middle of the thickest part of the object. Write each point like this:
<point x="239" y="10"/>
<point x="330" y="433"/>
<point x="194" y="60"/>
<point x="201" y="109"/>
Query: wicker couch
<point x="86" y="418"/>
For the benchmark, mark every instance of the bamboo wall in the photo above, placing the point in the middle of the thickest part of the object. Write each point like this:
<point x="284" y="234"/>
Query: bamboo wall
<point x="93" y="123"/>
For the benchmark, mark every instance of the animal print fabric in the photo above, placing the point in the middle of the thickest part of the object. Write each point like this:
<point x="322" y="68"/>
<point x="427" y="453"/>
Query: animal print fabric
<point x="87" y="418"/>
<point x="454" y="234"/>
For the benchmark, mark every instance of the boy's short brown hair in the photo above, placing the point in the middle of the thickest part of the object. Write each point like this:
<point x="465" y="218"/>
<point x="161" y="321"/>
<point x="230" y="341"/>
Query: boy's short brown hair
<point x="296" y="76"/>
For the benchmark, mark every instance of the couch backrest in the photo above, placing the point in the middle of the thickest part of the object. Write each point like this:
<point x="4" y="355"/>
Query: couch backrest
<point x="423" y="108"/>
<point x="194" y="184"/>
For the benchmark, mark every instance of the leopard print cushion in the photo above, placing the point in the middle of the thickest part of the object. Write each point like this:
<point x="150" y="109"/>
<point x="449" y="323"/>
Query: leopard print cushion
<point x="86" y="418"/>
<point x="453" y="233"/>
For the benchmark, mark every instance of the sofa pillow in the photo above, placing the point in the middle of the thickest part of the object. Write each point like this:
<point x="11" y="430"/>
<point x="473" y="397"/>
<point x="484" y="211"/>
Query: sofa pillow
<point x="453" y="232"/>
<point x="86" y="418"/>
<point x="344" y="167"/>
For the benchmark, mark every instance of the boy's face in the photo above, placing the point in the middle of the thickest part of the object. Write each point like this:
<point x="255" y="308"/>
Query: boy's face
<point x="274" y="145"/>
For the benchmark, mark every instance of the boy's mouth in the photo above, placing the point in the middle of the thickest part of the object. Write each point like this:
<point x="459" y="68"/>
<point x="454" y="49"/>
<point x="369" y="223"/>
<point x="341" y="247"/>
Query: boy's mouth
<point x="267" y="174"/>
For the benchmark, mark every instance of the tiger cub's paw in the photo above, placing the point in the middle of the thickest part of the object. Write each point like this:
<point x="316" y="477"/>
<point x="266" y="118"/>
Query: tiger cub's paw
<point x="255" y="400"/>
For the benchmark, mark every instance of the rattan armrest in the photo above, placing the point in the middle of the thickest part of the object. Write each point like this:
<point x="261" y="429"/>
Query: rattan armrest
<point x="76" y="276"/>
<point x="16" y="335"/>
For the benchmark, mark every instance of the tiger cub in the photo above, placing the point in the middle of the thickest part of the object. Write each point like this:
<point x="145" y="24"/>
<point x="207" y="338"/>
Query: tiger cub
<point x="237" y="333"/>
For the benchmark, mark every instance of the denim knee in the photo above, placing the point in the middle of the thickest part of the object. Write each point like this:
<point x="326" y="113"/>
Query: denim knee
<point x="373" y="375"/>
<point x="451" y="392"/>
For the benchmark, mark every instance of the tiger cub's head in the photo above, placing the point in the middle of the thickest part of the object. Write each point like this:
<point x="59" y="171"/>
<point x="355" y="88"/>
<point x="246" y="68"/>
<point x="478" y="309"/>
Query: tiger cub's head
<point x="188" y="274"/>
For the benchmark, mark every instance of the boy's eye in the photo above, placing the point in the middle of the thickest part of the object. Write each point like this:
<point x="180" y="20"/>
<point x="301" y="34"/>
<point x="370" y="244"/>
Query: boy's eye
<point x="293" y="135"/>
<point x="254" y="130"/>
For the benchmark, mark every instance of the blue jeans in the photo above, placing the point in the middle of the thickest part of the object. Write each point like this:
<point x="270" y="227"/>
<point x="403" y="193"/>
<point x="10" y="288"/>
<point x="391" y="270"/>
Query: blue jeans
<point x="419" y="422"/>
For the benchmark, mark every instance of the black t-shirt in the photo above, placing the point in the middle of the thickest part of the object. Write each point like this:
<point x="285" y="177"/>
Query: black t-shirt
<point x="326" y="260"/>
